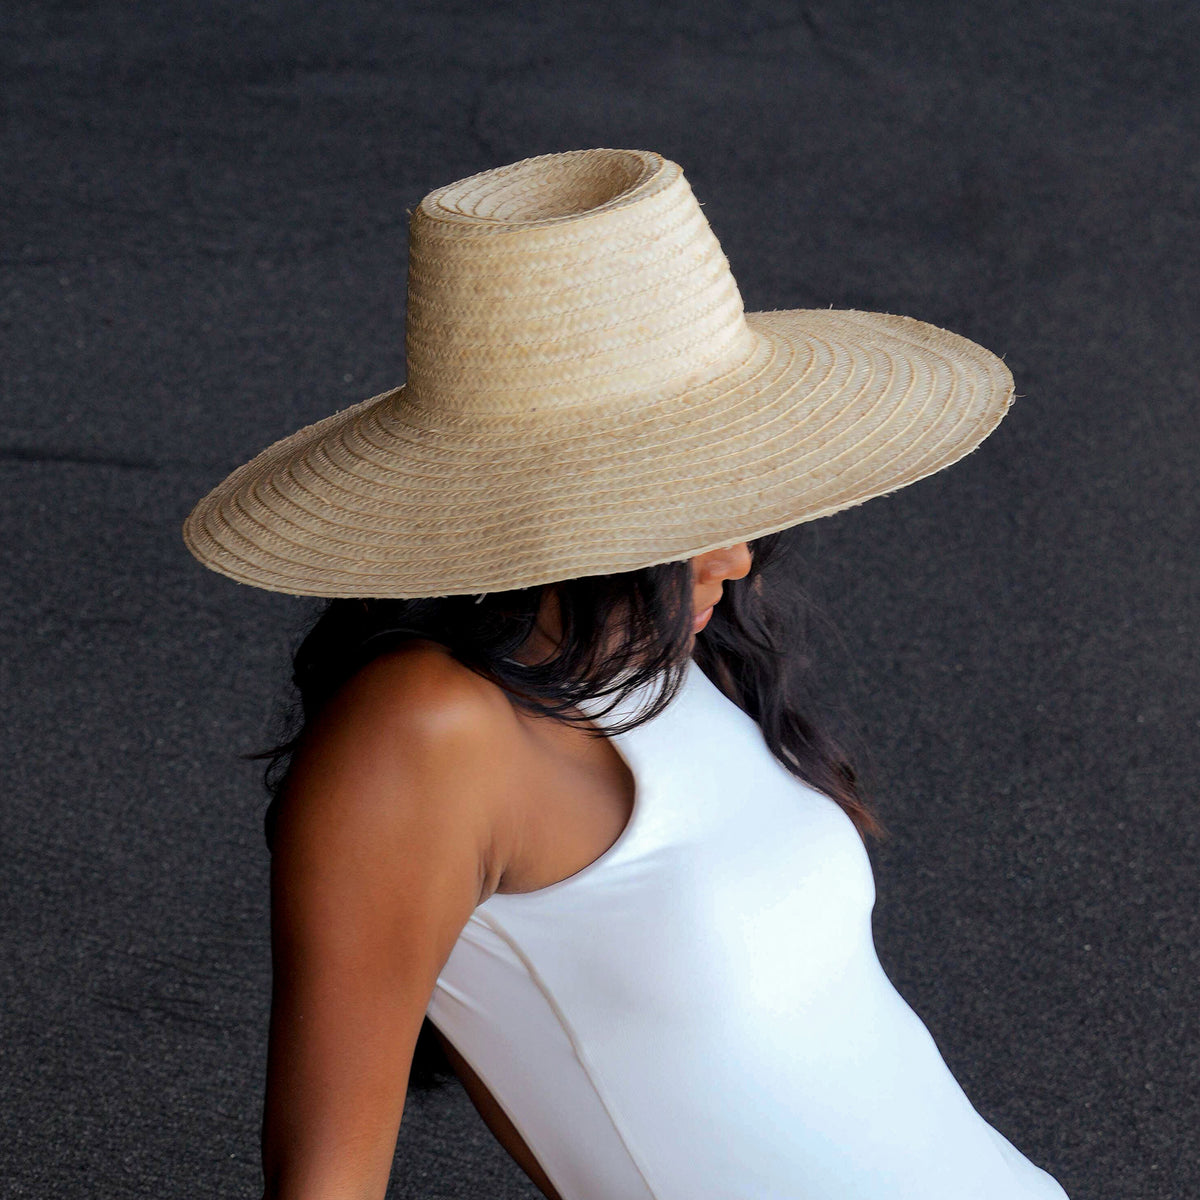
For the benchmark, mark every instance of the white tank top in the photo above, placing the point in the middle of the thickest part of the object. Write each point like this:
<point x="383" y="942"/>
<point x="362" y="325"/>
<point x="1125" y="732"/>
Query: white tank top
<point x="699" y="1014"/>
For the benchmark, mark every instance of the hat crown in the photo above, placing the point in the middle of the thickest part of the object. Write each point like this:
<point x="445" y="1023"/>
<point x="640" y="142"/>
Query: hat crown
<point x="580" y="278"/>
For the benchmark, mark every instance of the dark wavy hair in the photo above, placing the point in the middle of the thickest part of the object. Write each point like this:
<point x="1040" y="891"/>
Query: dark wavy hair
<point x="619" y="632"/>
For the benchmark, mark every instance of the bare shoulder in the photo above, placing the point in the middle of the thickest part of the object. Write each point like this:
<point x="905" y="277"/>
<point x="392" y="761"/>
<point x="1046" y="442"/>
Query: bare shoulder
<point x="422" y="683"/>
<point x="385" y="843"/>
<point x="414" y="746"/>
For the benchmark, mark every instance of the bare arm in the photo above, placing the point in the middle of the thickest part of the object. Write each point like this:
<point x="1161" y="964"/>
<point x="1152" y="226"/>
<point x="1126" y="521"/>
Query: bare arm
<point x="385" y="843"/>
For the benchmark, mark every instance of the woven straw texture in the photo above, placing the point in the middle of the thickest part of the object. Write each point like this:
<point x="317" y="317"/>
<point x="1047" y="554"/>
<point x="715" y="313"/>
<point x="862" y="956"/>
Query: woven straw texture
<point x="586" y="395"/>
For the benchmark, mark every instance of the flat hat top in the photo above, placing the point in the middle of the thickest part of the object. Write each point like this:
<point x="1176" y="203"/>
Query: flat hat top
<point x="586" y="395"/>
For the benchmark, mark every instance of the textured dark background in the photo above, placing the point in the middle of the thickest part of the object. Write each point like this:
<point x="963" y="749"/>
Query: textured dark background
<point x="204" y="247"/>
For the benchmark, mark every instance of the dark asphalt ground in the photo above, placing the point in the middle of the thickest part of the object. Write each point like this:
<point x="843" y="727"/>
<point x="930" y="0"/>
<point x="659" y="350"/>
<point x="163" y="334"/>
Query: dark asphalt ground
<point x="204" y="247"/>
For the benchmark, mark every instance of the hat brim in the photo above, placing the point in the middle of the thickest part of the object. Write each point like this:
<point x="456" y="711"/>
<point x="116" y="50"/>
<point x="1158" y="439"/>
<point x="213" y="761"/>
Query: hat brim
<point x="390" y="499"/>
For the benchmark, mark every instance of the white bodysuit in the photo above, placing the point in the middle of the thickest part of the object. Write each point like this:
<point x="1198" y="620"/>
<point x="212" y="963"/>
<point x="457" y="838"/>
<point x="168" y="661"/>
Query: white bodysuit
<point x="700" y="1014"/>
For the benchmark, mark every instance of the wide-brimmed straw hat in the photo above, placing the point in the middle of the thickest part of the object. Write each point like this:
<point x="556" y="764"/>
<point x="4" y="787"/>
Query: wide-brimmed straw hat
<point x="586" y="395"/>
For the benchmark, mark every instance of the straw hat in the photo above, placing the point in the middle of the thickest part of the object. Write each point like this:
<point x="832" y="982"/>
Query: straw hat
<point x="586" y="395"/>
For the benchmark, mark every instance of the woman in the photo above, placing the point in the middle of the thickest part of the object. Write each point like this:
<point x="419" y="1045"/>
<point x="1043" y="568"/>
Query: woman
<point x="552" y="792"/>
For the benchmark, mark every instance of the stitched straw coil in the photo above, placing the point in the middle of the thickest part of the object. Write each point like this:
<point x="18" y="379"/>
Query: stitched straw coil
<point x="586" y="395"/>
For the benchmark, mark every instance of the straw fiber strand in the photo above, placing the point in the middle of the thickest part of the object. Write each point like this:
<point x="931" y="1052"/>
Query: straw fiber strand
<point x="610" y="409"/>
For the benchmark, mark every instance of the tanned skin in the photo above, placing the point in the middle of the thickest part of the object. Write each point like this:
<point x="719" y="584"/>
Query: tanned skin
<point x="419" y="791"/>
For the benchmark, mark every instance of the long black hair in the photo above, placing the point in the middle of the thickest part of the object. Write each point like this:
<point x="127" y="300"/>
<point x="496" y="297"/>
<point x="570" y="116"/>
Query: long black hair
<point x="751" y="649"/>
